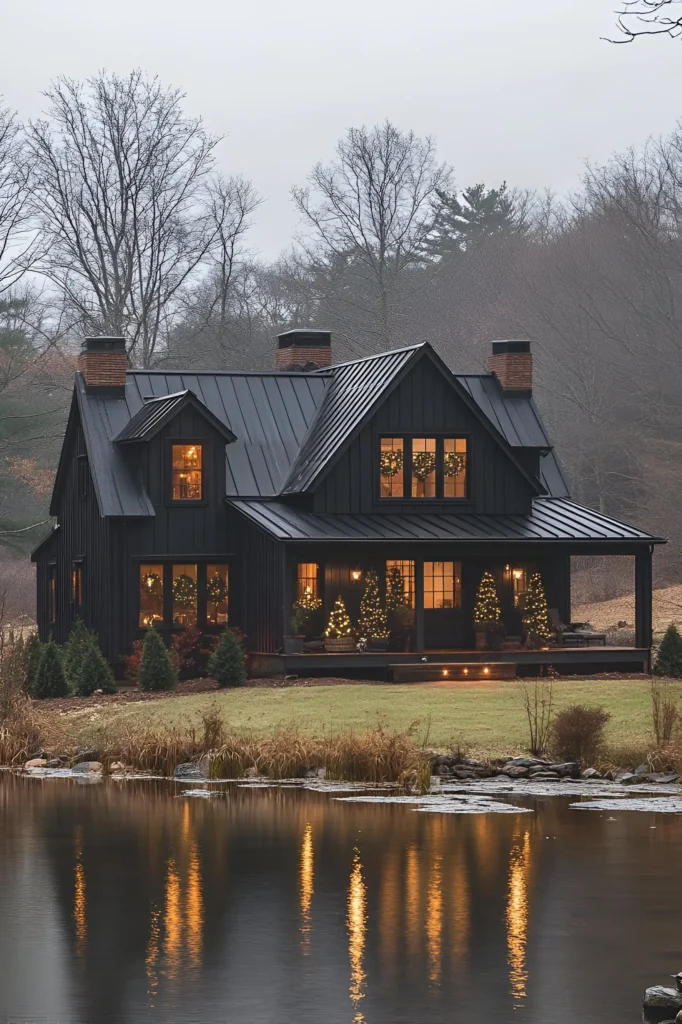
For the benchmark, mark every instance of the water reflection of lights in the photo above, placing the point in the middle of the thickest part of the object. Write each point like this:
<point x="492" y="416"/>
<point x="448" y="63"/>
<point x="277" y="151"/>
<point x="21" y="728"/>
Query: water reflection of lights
<point x="389" y="911"/>
<point x="412" y="901"/>
<point x="434" y="919"/>
<point x="194" y="906"/>
<point x="517" y="918"/>
<point x="172" y="919"/>
<point x="306" y="883"/>
<point x="357" y="934"/>
<point x="152" y="955"/>
<point x="79" y="898"/>
<point x="459" y="891"/>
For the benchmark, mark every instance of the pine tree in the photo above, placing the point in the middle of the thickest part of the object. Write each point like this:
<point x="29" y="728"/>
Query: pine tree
<point x="669" y="658"/>
<point x="462" y="219"/>
<point x="73" y="653"/>
<point x="94" y="673"/>
<point x="32" y="652"/>
<point x="49" y="680"/>
<point x="373" y="624"/>
<point x="339" y="624"/>
<point x="536" y="615"/>
<point x="156" y="671"/>
<point x="487" y="606"/>
<point x="227" y="664"/>
<point x="395" y="588"/>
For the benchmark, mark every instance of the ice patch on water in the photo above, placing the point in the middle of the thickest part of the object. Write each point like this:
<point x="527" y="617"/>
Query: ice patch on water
<point x="500" y="784"/>
<point x="657" y="805"/>
<point x="206" y="793"/>
<point x="465" y="804"/>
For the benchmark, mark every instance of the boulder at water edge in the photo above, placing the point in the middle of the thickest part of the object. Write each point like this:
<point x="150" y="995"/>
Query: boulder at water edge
<point x="90" y="768"/>
<point x="663" y="997"/>
<point x="190" y="770"/>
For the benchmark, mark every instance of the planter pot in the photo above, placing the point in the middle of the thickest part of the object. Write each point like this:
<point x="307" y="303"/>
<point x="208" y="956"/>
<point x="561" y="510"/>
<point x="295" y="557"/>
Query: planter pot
<point x="377" y="645"/>
<point x="293" y="644"/>
<point x="339" y="645"/>
<point x="481" y="639"/>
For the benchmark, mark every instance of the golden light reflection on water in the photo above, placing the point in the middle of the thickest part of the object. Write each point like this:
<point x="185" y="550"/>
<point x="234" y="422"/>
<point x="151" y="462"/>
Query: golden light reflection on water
<point x="172" y="922"/>
<point x="152" y="955"/>
<point x="357" y="936"/>
<point x="389" y="911"/>
<point x="517" y="917"/>
<point x="194" y="907"/>
<point x="306" y="879"/>
<point x="80" y="897"/>
<point x="434" y="919"/>
<point x="412" y="902"/>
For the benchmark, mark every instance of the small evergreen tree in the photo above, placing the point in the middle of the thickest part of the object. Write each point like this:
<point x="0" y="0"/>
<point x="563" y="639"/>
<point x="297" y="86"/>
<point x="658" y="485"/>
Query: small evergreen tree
<point x="395" y="588"/>
<point x="94" y="672"/>
<point x="49" y="680"/>
<point x="32" y="651"/>
<point x="373" y="624"/>
<point x="156" y="671"/>
<point x="339" y="624"/>
<point x="536" y="615"/>
<point x="487" y="606"/>
<point x="228" y="662"/>
<point x="669" y="658"/>
<point x="73" y="653"/>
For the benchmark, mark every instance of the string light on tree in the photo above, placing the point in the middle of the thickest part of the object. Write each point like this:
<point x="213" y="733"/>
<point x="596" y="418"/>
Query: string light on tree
<point x="536" y="615"/>
<point x="339" y="624"/>
<point x="373" y="623"/>
<point x="487" y="607"/>
<point x="395" y="588"/>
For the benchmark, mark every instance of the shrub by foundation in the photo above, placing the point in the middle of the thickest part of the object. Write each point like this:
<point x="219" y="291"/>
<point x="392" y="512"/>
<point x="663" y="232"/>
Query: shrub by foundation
<point x="669" y="658"/>
<point x="73" y="653"/>
<point x="50" y="680"/>
<point x="228" y="662"/>
<point x="95" y="673"/>
<point x="156" y="671"/>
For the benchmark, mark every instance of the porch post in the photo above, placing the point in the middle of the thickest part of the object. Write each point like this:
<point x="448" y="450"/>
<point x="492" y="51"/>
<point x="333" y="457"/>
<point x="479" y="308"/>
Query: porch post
<point x="643" y="589"/>
<point x="419" y="603"/>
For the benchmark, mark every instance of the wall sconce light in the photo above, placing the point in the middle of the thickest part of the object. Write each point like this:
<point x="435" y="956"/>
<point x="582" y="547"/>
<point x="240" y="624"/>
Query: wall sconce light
<point x="518" y="574"/>
<point x="356" y="575"/>
<point x="507" y="568"/>
<point x="445" y="671"/>
<point x="465" y="671"/>
<point x="486" y="671"/>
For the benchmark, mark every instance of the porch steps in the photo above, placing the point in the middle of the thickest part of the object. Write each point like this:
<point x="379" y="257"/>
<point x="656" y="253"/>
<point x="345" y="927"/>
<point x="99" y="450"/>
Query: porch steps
<point x="431" y="671"/>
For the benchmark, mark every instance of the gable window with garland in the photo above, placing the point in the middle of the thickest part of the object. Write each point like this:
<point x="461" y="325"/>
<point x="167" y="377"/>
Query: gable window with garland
<point x="185" y="593"/>
<point x="424" y="467"/>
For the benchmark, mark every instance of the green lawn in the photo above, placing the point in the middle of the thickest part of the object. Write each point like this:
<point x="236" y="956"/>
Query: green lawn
<point x="483" y="717"/>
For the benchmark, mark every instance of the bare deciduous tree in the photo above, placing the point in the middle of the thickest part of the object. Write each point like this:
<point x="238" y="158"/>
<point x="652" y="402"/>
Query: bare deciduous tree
<point x="121" y="174"/>
<point x="368" y="215"/>
<point x="18" y="243"/>
<point x="648" y="18"/>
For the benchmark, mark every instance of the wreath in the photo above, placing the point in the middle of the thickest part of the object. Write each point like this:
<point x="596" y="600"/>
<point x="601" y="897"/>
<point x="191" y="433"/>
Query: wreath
<point x="391" y="462"/>
<point x="454" y="463"/>
<point x="216" y="589"/>
<point x="184" y="591"/>
<point x="151" y="581"/>
<point x="423" y="464"/>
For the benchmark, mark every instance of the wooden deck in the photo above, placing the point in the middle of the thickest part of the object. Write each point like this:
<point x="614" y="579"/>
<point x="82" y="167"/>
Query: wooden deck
<point x="377" y="665"/>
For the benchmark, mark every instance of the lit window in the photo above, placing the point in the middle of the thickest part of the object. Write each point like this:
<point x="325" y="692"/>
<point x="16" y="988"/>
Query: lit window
<point x="187" y="483"/>
<point x="306" y="581"/>
<point x="184" y="595"/>
<point x="424" y="467"/>
<point x="77" y="584"/>
<point x="520" y="588"/>
<point x="151" y="595"/>
<point x="391" y="467"/>
<point x="400" y="572"/>
<point x="442" y="584"/>
<point x="455" y="467"/>
<point x="216" y="594"/>
<point x="52" y="592"/>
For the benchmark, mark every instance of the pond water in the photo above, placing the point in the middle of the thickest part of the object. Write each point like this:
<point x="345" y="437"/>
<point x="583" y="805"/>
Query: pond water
<point x="130" y="901"/>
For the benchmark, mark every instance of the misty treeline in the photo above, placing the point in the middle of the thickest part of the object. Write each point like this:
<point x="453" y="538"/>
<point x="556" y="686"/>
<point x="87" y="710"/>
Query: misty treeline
<point x="115" y="219"/>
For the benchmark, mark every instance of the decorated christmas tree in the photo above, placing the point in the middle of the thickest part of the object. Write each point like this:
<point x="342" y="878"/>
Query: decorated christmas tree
<point x="395" y="588"/>
<point x="373" y="624"/>
<point x="535" y="615"/>
<point x="339" y="624"/>
<point x="487" y="607"/>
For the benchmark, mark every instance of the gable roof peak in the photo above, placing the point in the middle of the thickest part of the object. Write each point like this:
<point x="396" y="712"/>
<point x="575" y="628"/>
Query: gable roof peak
<point x="375" y="355"/>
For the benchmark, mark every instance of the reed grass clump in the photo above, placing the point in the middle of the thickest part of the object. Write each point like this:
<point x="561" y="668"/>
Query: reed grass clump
<point x="22" y="731"/>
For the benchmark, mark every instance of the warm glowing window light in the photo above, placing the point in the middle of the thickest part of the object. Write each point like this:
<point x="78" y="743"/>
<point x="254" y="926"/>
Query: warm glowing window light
<point x="187" y="472"/>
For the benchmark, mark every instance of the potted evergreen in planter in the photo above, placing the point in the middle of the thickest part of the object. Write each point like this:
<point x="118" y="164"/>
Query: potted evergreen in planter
<point x="293" y="644"/>
<point x="536" y="614"/>
<point x="373" y="624"/>
<point x="487" y="611"/>
<point x="400" y="615"/>
<point x="339" y="636"/>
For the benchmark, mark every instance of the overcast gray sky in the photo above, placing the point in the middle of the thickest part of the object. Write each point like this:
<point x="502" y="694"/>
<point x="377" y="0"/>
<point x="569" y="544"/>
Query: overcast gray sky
<point x="522" y="90"/>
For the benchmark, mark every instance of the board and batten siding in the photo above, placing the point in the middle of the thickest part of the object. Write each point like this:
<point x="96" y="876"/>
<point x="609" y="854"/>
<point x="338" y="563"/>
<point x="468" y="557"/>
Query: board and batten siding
<point x="424" y="404"/>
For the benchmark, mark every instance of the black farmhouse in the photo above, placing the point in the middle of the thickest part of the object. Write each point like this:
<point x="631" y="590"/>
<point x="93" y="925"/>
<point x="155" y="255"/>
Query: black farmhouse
<point x="213" y="498"/>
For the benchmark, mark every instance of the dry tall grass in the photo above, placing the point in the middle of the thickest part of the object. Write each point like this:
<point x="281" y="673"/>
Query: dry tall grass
<point x="22" y="731"/>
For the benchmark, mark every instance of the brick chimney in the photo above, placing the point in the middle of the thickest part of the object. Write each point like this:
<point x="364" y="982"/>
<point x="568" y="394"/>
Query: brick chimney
<point x="304" y="350"/>
<point x="103" y="362"/>
<point x="512" y="364"/>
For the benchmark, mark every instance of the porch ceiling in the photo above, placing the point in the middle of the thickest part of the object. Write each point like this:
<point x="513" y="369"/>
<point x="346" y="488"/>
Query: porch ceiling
<point x="552" y="520"/>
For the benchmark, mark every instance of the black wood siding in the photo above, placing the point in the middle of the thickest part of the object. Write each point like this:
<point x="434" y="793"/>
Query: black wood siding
<point x="262" y="585"/>
<point x="424" y="403"/>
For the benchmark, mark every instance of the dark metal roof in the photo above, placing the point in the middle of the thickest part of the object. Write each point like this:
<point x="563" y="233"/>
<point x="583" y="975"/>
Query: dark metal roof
<point x="353" y="390"/>
<point x="269" y="413"/>
<point x="551" y="520"/>
<point x="156" y="412"/>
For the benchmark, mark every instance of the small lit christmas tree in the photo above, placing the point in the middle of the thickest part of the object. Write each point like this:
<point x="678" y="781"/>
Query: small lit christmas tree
<point x="536" y="615"/>
<point x="395" y="588"/>
<point x="339" y="624"/>
<point x="373" y="624"/>
<point x="487" y="607"/>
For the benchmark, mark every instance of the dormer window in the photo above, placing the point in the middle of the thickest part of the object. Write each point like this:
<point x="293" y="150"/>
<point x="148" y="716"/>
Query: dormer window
<point x="187" y="472"/>
<point x="423" y="467"/>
